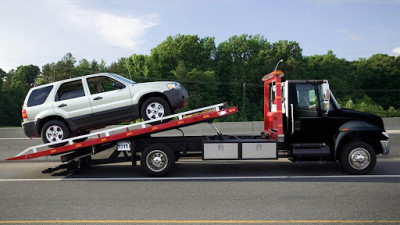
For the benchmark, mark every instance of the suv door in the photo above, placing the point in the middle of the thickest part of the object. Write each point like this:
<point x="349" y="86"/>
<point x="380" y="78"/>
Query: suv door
<point x="73" y="104"/>
<point x="110" y="99"/>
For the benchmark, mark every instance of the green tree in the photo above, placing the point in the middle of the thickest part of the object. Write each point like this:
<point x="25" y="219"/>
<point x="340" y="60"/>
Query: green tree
<point x="379" y="77"/>
<point x="120" y="67"/>
<point x="103" y="66"/>
<point x="3" y="97"/>
<point x="65" y="68"/>
<point x="338" y="72"/>
<point x="20" y="82"/>
<point x="240" y="64"/>
<point x="195" y="52"/>
<point x="203" y="89"/>
<point x="138" y="66"/>
<point x="24" y="78"/>
<point x="83" y="68"/>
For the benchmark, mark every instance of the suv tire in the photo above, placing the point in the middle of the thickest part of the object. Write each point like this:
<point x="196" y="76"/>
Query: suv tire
<point x="154" y="108"/>
<point x="53" y="131"/>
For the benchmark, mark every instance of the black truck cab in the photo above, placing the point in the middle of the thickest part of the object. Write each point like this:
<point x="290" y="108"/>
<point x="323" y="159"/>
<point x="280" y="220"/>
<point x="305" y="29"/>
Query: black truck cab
<point x="315" y="127"/>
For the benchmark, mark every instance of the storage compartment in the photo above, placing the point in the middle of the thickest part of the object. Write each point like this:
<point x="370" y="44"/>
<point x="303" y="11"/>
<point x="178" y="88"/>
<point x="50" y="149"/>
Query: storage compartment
<point x="310" y="152"/>
<point x="221" y="151"/>
<point x="259" y="151"/>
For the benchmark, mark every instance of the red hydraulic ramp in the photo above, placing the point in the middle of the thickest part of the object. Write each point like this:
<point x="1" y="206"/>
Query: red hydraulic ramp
<point x="129" y="131"/>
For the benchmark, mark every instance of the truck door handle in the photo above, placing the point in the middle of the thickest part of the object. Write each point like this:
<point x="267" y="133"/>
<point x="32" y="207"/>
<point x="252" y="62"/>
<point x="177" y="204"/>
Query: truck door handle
<point x="292" y="114"/>
<point x="62" y="105"/>
<point x="98" y="98"/>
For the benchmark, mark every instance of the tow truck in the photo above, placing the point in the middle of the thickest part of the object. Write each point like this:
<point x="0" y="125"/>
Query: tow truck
<point x="302" y="122"/>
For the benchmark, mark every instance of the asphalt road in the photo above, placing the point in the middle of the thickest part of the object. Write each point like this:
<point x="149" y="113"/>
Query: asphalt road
<point x="276" y="192"/>
<point x="266" y="192"/>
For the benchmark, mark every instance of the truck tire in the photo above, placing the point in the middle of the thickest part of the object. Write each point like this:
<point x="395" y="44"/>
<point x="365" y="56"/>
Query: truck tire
<point x="358" y="158"/>
<point x="157" y="160"/>
<point x="154" y="108"/>
<point x="53" y="131"/>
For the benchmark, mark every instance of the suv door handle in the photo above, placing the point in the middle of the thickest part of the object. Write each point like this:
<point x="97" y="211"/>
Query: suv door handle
<point x="62" y="105"/>
<point x="98" y="98"/>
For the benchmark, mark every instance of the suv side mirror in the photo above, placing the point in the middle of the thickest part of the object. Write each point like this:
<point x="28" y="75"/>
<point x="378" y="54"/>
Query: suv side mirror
<point x="325" y="97"/>
<point x="118" y="85"/>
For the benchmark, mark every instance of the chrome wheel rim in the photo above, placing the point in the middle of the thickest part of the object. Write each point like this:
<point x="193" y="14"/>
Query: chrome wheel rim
<point x="359" y="158"/>
<point x="154" y="110"/>
<point x="54" y="133"/>
<point x="157" y="160"/>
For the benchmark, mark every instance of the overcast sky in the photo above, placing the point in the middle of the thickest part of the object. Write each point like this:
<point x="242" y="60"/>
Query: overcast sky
<point x="43" y="31"/>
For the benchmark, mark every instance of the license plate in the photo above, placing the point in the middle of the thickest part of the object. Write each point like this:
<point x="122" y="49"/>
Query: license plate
<point x="124" y="146"/>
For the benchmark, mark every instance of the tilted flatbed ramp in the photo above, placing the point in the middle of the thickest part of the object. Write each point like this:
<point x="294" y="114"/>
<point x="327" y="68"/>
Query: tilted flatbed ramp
<point x="128" y="131"/>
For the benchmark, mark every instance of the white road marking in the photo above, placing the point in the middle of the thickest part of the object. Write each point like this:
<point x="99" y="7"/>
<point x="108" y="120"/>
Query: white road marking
<point x="393" y="131"/>
<point x="199" y="178"/>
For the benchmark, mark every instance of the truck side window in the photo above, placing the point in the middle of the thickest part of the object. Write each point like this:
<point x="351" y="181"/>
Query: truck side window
<point x="70" y="90"/>
<point x="306" y="96"/>
<point x="101" y="84"/>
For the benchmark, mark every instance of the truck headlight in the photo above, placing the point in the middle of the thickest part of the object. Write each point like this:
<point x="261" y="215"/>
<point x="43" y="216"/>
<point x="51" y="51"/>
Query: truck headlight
<point x="173" y="86"/>
<point x="386" y="134"/>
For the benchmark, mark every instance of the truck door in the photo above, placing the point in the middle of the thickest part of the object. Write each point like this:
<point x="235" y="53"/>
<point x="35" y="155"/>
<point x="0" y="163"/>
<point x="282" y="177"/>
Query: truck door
<point x="307" y="123"/>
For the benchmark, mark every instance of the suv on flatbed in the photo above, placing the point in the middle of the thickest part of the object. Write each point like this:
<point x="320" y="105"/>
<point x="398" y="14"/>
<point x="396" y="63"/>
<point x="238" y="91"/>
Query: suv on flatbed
<point x="73" y="107"/>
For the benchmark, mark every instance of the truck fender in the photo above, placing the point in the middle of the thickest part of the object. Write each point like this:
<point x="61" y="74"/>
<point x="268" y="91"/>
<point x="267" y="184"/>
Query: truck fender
<point x="357" y="130"/>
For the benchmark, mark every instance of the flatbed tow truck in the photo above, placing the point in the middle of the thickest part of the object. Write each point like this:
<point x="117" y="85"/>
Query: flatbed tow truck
<point x="302" y="122"/>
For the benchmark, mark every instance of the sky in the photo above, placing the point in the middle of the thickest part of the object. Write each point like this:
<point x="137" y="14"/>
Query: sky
<point x="43" y="31"/>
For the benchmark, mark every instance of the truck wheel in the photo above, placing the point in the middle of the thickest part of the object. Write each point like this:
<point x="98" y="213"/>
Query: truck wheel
<point x="157" y="160"/>
<point x="154" y="108"/>
<point x="53" y="131"/>
<point x="358" y="158"/>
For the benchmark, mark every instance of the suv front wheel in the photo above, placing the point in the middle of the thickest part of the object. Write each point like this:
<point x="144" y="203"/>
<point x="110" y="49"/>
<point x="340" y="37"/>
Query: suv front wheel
<point x="154" y="108"/>
<point x="54" y="131"/>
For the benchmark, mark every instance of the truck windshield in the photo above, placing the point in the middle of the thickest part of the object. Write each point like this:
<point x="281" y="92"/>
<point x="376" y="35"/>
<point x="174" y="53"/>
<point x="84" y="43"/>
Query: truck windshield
<point x="333" y="100"/>
<point x="118" y="77"/>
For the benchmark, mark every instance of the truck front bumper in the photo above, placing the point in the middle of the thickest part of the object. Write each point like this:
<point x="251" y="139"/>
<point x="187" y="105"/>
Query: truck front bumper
<point x="385" y="146"/>
<point x="385" y="143"/>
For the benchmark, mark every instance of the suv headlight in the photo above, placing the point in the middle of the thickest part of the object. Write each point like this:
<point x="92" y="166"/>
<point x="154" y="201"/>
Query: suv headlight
<point x="173" y="86"/>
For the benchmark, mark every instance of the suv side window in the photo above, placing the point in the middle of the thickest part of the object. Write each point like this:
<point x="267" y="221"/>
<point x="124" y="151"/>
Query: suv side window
<point x="70" y="90"/>
<point x="39" y="96"/>
<point x="101" y="84"/>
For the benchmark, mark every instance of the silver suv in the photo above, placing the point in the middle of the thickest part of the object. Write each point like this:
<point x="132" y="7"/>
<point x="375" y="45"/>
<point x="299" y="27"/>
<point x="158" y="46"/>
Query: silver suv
<point x="75" y="106"/>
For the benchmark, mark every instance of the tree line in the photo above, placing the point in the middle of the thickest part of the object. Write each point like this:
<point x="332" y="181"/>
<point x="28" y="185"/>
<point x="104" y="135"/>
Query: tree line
<point x="230" y="71"/>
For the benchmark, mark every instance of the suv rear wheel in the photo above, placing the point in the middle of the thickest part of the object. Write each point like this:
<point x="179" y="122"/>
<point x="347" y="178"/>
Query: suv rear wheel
<point x="54" y="131"/>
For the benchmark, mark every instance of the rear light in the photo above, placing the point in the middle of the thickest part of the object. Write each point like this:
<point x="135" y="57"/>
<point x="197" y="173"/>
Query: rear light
<point x="24" y="115"/>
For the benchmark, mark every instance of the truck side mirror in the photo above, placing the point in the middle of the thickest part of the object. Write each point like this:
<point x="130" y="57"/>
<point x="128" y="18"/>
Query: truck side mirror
<point x="325" y="97"/>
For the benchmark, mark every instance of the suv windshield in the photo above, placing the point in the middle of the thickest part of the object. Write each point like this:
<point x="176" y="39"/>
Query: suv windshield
<point x="122" y="78"/>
